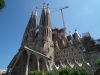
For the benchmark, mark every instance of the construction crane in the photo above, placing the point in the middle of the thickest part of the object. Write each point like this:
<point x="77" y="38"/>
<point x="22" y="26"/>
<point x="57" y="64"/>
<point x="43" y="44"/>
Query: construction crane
<point x="62" y="14"/>
<point x="61" y="9"/>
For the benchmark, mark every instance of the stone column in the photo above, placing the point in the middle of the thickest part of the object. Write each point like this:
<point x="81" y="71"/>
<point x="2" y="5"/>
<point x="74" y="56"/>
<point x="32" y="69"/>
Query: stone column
<point x="47" y="66"/>
<point x="38" y="63"/>
<point x="28" y="58"/>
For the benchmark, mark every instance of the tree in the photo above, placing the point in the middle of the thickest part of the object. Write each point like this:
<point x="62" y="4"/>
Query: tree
<point x="98" y="62"/>
<point x="80" y="71"/>
<point x="51" y="72"/>
<point x="35" y="73"/>
<point x="64" y="70"/>
<point x="2" y="4"/>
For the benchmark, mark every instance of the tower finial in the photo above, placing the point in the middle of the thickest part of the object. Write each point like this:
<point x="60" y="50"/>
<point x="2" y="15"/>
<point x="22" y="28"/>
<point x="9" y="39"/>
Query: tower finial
<point x="47" y="5"/>
<point x="34" y="13"/>
<point x="69" y="32"/>
<point x="43" y="3"/>
<point x="48" y="9"/>
<point x="36" y="4"/>
<point x="75" y="30"/>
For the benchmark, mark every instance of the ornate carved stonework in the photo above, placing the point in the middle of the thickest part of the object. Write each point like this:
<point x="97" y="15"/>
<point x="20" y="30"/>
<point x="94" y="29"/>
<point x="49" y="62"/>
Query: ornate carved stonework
<point x="43" y="47"/>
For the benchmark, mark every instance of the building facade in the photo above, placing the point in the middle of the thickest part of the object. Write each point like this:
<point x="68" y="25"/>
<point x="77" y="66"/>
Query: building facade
<point x="44" y="48"/>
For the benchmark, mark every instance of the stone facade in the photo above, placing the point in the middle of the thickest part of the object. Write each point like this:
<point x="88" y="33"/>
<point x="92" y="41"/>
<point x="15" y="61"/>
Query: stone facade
<point x="71" y="51"/>
<point x="43" y="47"/>
<point x="36" y="52"/>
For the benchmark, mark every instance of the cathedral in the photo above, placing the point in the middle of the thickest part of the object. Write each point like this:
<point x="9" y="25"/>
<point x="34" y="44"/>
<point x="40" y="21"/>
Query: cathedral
<point x="44" y="48"/>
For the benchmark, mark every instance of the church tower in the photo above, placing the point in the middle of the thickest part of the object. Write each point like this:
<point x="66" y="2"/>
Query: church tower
<point x="44" y="40"/>
<point x="37" y="49"/>
<point x="45" y="31"/>
<point x="30" y="32"/>
<point x="43" y="48"/>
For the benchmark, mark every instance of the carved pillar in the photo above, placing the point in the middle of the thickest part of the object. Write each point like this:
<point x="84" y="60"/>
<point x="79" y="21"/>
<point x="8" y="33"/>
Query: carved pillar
<point x="28" y="57"/>
<point x="38" y="63"/>
<point x="47" y="66"/>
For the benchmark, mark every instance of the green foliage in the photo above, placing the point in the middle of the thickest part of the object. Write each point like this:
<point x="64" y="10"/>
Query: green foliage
<point x="75" y="71"/>
<point x="31" y="73"/>
<point x="80" y="71"/>
<point x="51" y="73"/>
<point x="2" y="4"/>
<point x="98" y="62"/>
<point x="35" y="73"/>
<point x="64" y="71"/>
<point x="41" y="73"/>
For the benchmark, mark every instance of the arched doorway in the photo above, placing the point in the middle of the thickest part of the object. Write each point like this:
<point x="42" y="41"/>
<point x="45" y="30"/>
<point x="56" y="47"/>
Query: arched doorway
<point x="42" y="65"/>
<point x="32" y="63"/>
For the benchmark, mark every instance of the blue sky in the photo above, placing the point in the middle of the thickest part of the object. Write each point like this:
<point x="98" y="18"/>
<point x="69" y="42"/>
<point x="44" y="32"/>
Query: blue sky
<point x="84" y="15"/>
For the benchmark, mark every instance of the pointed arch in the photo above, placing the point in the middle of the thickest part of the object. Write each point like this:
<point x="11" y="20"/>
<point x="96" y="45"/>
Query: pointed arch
<point x="33" y="63"/>
<point x="42" y="65"/>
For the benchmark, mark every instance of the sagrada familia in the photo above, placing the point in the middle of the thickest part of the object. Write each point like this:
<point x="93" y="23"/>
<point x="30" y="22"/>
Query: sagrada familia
<point x="44" y="48"/>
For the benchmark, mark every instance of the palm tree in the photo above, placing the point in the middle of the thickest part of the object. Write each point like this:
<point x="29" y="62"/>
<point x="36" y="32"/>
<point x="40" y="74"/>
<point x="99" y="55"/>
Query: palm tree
<point x="2" y="4"/>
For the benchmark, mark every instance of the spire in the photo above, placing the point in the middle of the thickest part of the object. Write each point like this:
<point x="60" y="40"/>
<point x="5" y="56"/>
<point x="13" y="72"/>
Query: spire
<point x="30" y="31"/>
<point x="32" y="21"/>
<point x="70" y="38"/>
<point x="42" y="19"/>
<point x="48" y="16"/>
<point x="70" y="34"/>
<point x="77" y="35"/>
<point x="34" y="16"/>
<point x="45" y="25"/>
<point x="35" y="12"/>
